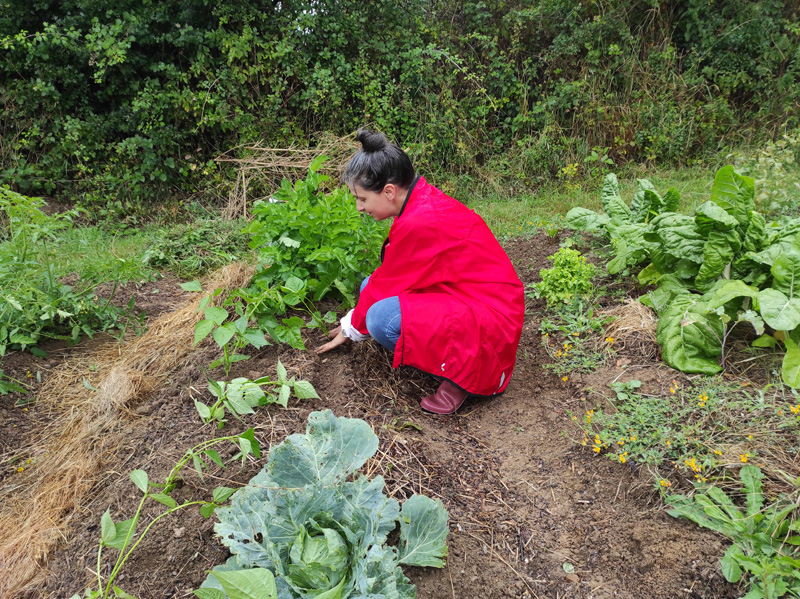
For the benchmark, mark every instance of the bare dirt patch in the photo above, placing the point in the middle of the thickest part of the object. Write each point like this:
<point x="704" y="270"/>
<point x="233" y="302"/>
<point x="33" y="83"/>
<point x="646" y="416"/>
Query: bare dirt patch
<point x="524" y="499"/>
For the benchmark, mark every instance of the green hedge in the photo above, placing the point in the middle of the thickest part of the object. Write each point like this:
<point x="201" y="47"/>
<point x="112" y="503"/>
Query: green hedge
<point x="130" y="100"/>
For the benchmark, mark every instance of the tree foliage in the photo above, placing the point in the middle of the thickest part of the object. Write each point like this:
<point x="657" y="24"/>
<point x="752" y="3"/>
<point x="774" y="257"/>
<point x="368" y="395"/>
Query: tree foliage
<point x="131" y="100"/>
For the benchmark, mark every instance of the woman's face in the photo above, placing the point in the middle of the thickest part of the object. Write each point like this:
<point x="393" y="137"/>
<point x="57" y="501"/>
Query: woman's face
<point x="379" y="205"/>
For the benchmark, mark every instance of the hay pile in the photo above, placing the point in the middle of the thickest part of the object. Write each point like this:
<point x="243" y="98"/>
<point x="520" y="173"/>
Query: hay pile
<point x="633" y="329"/>
<point x="73" y="453"/>
<point x="263" y="169"/>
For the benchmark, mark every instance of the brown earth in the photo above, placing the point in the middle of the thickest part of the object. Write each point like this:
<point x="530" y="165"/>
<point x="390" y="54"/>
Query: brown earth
<point x="525" y="500"/>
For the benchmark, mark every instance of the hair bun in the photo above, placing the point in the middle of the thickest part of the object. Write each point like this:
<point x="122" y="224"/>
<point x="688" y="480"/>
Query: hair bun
<point x="371" y="141"/>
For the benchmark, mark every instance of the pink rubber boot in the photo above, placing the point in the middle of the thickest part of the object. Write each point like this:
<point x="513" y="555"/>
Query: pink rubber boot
<point x="447" y="399"/>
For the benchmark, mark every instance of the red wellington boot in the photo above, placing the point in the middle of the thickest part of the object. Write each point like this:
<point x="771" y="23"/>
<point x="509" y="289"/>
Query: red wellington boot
<point x="447" y="399"/>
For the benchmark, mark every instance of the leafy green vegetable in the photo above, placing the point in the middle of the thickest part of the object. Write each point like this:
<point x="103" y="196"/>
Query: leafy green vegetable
<point x="322" y="535"/>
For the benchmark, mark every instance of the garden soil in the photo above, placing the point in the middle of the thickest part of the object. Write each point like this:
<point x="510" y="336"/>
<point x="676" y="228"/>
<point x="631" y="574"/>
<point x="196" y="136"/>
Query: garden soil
<point x="532" y="512"/>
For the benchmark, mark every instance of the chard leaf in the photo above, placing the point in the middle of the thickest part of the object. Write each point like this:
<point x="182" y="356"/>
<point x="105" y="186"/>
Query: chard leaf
<point x="690" y="335"/>
<point x="718" y="253"/>
<point x="709" y="216"/>
<point x="671" y="200"/>
<point x="790" y="369"/>
<point x="734" y="193"/>
<point x="255" y="583"/>
<point x="584" y="219"/>
<point x="729" y="291"/>
<point x="780" y="312"/>
<point x="645" y="201"/>
<point x="612" y="202"/>
<point x="423" y="532"/>
<point x="756" y="234"/>
<point x="677" y="236"/>
<point x="331" y="449"/>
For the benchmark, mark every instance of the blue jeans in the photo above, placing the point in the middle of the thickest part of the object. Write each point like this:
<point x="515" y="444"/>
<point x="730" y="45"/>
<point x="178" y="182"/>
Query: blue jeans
<point x="383" y="320"/>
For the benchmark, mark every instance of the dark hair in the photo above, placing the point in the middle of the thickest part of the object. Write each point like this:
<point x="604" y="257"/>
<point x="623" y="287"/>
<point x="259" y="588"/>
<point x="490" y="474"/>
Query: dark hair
<point x="378" y="163"/>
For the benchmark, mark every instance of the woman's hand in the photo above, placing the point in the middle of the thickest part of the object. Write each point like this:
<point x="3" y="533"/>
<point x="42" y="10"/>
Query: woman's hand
<point x="337" y="340"/>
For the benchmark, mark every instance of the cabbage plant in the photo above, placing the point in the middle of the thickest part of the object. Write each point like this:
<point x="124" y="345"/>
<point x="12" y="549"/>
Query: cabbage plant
<point x="302" y="528"/>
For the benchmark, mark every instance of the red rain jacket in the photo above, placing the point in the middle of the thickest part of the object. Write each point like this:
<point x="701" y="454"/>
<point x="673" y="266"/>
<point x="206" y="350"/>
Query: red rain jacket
<point x="462" y="304"/>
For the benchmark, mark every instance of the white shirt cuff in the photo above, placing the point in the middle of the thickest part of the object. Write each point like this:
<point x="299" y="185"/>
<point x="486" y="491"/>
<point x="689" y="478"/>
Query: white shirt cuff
<point x="349" y="331"/>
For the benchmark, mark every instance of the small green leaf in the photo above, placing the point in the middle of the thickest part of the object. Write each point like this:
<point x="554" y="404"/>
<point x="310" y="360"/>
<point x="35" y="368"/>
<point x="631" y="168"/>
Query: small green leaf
<point x="207" y="509"/>
<point x="304" y="390"/>
<point x="120" y="594"/>
<point x="214" y="457"/>
<point x="283" y="395"/>
<point x="216" y="314"/>
<point x="87" y="384"/>
<point x="164" y="499"/>
<point x="202" y="329"/>
<point x="203" y="410"/>
<point x="107" y="528"/>
<point x="139" y="478"/>
<point x="281" y="372"/>
<point x="223" y="334"/>
<point x="198" y="465"/>
<point x="221" y="494"/>
<point x="123" y="530"/>
<point x="192" y="286"/>
<point x="765" y="340"/>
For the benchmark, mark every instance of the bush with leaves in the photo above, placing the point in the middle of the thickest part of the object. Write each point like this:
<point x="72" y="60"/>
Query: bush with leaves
<point x="301" y="529"/>
<point x="311" y="245"/>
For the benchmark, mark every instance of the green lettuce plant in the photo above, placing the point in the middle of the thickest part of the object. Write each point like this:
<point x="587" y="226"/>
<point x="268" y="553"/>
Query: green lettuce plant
<point x="765" y="539"/>
<point x="302" y="528"/>
<point x="570" y="278"/>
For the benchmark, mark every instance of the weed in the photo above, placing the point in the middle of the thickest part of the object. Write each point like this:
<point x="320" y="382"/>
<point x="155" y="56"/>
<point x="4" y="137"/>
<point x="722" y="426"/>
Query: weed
<point x="765" y="543"/>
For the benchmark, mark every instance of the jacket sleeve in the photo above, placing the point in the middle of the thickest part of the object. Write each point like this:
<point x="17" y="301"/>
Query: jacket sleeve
<point x="412" y="261"/>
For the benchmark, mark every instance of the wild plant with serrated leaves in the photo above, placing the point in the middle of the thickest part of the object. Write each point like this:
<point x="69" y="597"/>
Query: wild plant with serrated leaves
<point x="765" y="539"/>
<point x="302" y="529"/>
<point x="122" y="535"/>
<point x="318" y="238"/>
<point x="34" y="304"/>
<point x="241" y="395"/>
<point x="570" y="278"/>
<point x="722" y="267"/>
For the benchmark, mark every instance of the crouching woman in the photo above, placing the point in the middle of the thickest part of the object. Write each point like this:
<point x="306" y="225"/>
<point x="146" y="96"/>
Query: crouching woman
<point x="445" y="299"/>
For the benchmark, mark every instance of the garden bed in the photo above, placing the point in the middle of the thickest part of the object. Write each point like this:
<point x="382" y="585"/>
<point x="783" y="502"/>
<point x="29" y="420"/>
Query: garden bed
<point x="532" y="513"/>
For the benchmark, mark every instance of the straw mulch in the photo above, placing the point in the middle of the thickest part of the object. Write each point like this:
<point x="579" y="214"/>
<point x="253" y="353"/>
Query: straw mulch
<point x="633" y="329"/>
<point x="261" y="171"/>
<point x="74" y="452"/>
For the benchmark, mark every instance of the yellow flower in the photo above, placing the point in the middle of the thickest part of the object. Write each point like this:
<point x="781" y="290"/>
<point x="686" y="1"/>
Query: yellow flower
<point x="749" y="437"/>
<point x="622" y="459"/>
<point x="672" y="390"/>
<point x="666" y="483"/>
<point x="610" y="340"/>
<point x="633" y="437"/>
<point x="717" y="452"/>
<point x="744" y="457"/>
<point x="596" y="449"/>
<point x="20" y="469"/>
<point x="795" y="409"/>
<point x="564" y="378"/>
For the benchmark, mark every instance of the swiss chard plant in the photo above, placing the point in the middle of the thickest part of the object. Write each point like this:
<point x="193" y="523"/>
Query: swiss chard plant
<point x="765" y="539"/>
<point x="625" y="224"/>
<point x="713" y="270"/>
<point x="304" y="528"/>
